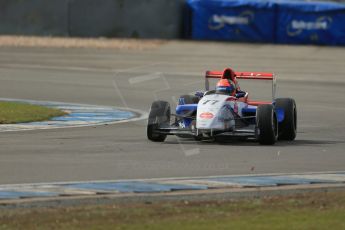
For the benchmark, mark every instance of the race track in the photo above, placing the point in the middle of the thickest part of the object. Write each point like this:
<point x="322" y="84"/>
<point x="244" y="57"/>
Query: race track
<point x="314" y="76"/>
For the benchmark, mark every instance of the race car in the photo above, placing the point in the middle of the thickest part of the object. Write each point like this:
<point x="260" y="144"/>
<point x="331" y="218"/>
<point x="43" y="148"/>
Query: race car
<point x="211" y="115"/>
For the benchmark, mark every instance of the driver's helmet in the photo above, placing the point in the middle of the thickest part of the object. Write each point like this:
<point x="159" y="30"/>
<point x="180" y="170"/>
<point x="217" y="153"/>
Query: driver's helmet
<point x="226" y="86"/>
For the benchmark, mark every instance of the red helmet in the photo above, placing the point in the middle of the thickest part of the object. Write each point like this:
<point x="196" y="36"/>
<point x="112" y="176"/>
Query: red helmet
<point x="226" y="86"/>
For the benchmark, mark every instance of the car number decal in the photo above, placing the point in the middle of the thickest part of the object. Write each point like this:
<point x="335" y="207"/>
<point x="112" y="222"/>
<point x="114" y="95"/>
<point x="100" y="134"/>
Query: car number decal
<point x="213" y="102"/>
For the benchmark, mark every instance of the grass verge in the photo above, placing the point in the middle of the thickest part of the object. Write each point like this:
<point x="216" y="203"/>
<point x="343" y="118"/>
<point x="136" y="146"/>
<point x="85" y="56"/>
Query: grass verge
<point x="309" y="211"/>
<point x="15" y="112"/>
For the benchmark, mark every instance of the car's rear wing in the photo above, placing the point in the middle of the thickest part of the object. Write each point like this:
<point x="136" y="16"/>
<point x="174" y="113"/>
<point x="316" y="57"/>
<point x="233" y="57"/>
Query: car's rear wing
<point x="243" y="75"/>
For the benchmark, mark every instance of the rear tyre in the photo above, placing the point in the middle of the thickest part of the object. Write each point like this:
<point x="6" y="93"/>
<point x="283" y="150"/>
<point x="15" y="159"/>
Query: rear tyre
<point x="159" y="116"/>
<point x="266" y="124"/>
<point x="189" y="99"/>
<point x="288" y="127"/>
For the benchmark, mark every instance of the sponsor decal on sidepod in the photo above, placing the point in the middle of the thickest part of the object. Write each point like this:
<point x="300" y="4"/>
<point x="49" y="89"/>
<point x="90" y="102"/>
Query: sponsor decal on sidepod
<point x="206" y="115"/>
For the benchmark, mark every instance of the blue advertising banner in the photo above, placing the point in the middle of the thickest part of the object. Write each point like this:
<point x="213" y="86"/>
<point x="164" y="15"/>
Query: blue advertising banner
<point x="311" y="23"/>
<point x="235" y="20"/>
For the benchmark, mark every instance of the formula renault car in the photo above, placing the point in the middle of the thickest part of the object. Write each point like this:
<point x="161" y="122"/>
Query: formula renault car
<point x="211" y="115"/>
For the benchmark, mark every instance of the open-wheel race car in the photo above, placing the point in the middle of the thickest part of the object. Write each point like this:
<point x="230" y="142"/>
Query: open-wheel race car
<point x="226" y="112"/>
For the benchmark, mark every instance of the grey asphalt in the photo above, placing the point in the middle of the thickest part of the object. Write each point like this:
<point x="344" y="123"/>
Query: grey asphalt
<point x="314" y="76"/>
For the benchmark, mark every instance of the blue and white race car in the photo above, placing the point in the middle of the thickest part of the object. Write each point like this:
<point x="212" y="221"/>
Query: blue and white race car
<point x="215" y="115"/>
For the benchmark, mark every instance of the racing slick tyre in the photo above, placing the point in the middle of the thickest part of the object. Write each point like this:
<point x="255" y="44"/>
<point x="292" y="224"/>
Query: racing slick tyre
<point x="159" y="116"/>
<point x="189" y="99"/>
<point x="221" y="139"/>
<point x="288" y="127"/>
<point x="266" y="124"/>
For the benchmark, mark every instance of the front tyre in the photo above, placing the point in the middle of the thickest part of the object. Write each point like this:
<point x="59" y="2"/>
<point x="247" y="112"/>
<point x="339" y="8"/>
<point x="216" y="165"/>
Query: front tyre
<point x="159" y="116"/>
<point x="288" y="127"/>
<point x="266" y="124"/>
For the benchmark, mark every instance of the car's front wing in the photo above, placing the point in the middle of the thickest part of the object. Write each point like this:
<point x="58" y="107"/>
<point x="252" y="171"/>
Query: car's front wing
<point x="248" y="131"/>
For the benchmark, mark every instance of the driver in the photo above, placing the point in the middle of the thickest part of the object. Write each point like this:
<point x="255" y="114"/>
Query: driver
<point x="226" y="86"/>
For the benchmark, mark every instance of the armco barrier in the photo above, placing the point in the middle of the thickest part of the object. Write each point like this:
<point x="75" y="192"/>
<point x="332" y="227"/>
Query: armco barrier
<point x="93" y="18"/>
<point x="280" y="21"/>
<point x="235" y="20"/>
<point x="311" y="23"/>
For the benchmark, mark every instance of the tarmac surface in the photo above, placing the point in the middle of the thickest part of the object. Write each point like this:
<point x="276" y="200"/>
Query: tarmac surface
<point x="314" y="76"/>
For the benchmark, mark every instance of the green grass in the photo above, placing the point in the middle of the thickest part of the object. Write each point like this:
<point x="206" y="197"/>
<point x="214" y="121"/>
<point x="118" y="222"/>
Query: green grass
<point x="14" y="112"/>
<point x="310" y="211"/>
